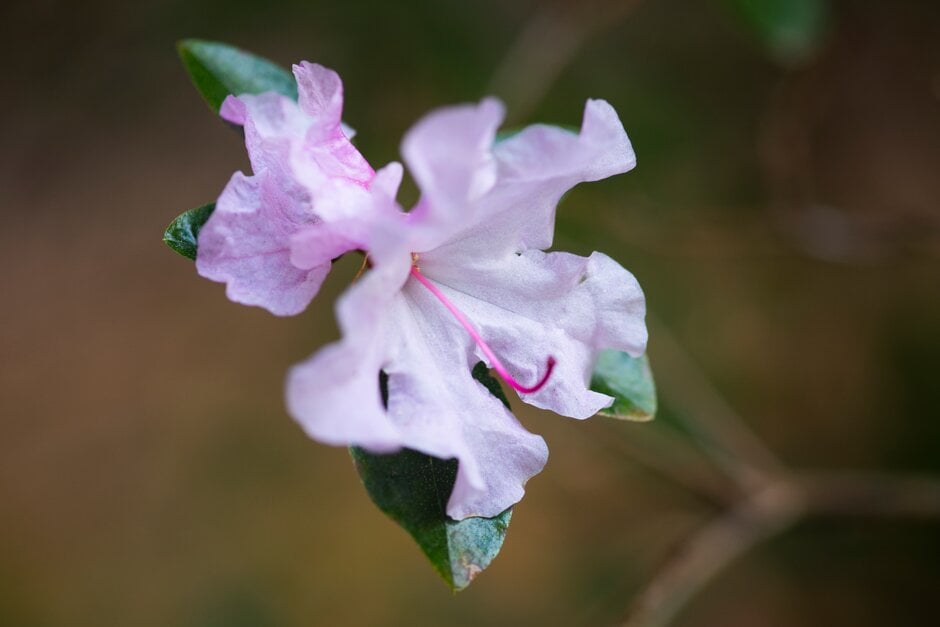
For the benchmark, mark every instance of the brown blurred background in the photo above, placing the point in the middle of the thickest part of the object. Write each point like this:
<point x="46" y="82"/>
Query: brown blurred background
<point x="783" y="221"/>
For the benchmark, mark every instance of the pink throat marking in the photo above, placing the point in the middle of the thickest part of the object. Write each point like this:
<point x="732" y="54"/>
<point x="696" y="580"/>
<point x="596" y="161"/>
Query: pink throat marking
<point x="494" y="360"/>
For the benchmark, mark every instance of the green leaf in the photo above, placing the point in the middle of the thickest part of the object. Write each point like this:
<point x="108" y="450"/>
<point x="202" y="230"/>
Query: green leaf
<point x="791" y="30"/>
<point x="413" y="489"/>
<point x="630" y="381"/>
<point x="218" y="70"/>
<point x="183" y="233"/>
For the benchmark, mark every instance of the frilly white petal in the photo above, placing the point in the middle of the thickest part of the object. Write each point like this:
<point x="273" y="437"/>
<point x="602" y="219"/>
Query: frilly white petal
<point x="535" y="305"/>
<point x="449" y="154"/>
<point x="391" y="323"/>
<point x="335" y="394"/>
<point x="535" y="168"/>
<point x="273" y="235"/>
<point x="246" y="245"/>
<point x="441" y="410"/>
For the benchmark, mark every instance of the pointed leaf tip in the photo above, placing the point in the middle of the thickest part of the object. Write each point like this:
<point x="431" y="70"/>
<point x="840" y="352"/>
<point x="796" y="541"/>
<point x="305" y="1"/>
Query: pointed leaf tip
<point x="182" y="235"/>
<point x="413" y="489"/>
<point x="218" y="70"/>
<point x="630" y="381"/>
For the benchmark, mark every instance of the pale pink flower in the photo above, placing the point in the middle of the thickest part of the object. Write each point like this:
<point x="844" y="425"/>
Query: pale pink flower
<point x="299" y="152"/>
<point x="463" y="278"/>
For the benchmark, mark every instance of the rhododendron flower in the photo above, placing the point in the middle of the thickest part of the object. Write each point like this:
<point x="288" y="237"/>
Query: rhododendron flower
<point x="463" y="278"/>
<point x="300" y="155"/>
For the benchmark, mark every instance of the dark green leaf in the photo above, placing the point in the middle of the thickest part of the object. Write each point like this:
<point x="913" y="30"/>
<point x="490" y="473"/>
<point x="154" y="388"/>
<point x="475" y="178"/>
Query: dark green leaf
<point x="413" y="489"/>
<point x="630" y="381"/>
<point x="482" y="374"/>
<point x="218" y="70"/>
<point x="183" y="233"/>
<point x="792" y="30"/>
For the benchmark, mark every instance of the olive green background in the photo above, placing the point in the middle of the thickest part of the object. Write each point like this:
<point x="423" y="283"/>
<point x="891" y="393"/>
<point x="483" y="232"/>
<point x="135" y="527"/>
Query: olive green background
<point x="783" y="220"/>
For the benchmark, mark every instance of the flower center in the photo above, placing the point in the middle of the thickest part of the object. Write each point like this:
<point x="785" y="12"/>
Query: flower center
<point x="494" y="360"/>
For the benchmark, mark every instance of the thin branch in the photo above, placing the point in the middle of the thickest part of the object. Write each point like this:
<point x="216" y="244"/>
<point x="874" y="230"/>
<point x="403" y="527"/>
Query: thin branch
<point x="769" y="512"/>
<point x="711" y="549"/>
<point x="667" y="455"/>
<point x="852" y="493"/>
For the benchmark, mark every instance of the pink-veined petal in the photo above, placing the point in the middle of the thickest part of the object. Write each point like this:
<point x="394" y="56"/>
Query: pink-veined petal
<point x="273" y="235"/>
<point x="246" y="244"/>
<point x="531" y="306"/>
<point x="320" y="93"/>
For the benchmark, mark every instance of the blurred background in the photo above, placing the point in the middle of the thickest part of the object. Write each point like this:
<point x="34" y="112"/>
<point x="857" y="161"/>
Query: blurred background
<point x="783" y="221"/>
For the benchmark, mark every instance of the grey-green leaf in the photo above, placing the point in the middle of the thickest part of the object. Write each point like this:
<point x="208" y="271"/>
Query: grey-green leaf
<point x="791" y="30"/>
<point x="218" y="70"/>
<point x="630" y="381"/>
<point x="183" y="233"/>
<point x="413" y="489"/>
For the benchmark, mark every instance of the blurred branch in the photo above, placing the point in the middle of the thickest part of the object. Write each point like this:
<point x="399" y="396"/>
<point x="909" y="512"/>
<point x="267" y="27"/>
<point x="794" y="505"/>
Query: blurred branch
<point x="848" y="493"/>
<point x="710" y="550"/>
<point x="546" y="45"/>
<point x="659" y="451"/>
<point x="717" y="427"/>
<point x="774" y="498"/>
<point x="770" y="512"/>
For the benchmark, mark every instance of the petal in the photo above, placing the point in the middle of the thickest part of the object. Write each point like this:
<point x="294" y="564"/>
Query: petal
<point x="449" y="154"/>
<point x="434" y="404"/>
<point x="441" y="410"/>
<point x="388" y="179"/>
<point x="353" y="218"/>
<point x="326" y="150"/>
<point x="274" y="125"/>
<point x="273" y="236"/>
<point x="306" y="136"/>
<point x="246" y="244"/>
<point x="321" y="243"/>
<point x="233" y="110"/>
<point x="320" y="93"/>
<point x="535" y="168"/>
<point x="335" y="394"/>
<point x="542" y="152"/>
<point x="531" y="306"/>
<point x="331" y="158"/>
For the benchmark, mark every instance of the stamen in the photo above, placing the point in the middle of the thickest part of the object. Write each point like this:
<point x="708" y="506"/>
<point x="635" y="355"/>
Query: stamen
<point x="362" y="268"/>
<point x="494" y="360"/>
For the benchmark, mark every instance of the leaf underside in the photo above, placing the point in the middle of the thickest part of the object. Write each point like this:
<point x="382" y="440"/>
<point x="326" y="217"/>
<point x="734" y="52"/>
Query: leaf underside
<point x="630" y="381"/>
<point x="413" y="488"/>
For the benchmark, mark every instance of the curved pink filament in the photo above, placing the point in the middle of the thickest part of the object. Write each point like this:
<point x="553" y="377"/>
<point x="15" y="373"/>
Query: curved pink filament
<point x="494" y="360"/>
